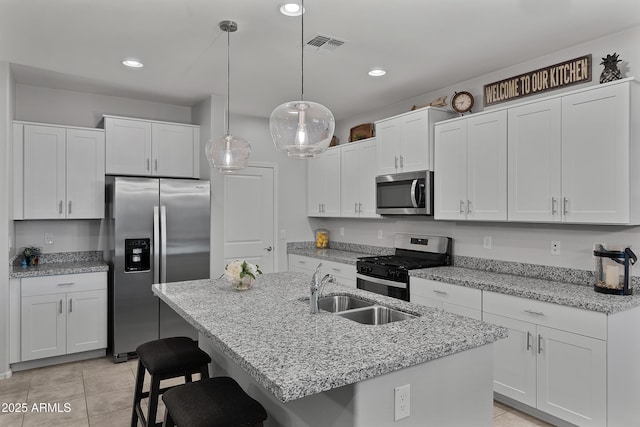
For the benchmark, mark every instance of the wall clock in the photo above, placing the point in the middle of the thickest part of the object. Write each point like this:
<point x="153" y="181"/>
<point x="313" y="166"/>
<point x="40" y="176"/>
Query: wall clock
<point x="462" y="102"/>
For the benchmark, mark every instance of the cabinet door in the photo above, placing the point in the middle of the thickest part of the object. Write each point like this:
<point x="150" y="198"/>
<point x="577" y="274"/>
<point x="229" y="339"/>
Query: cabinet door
<point x="302" y="264"/>
<point x="388" y="136"/>
<point x="450" y="174"/>
<point x="414" y="150"/>
<point x="315" y="186"/>
<point x="595" y="155"/>
<point x="350" y="180"/>
<point x="367" y="179"/>
<point x="514" y="360"/>
<point x="572" y="377"/>
<point x="86" y="320"/>
<point x="487" y="167"/>
<point x="84" y="174"/>
<point x="331" y="179"/>
<point x="43" y="326"/>
<point x="128" y="147"/>
<point x="44" y="172"/>
<point x="173" y="150"/>
<point x="534" y="155"/>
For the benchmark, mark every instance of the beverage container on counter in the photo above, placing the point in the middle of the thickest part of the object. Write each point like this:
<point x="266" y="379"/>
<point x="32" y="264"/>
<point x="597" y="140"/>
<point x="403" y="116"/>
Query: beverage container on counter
<point x="613" y="268"/>
<point x="322" y="238"/>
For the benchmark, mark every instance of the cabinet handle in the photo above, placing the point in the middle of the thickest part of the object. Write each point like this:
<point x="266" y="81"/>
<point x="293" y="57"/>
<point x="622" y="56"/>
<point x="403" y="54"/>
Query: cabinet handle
<point x="553" y="206"/>
<point x="528" y="340"/>
<point x="539" y="343"/>
<point x="60" y="207"/>
<point x="69" y="206"/>
<point x="401" y="161"/>
<point x="537" y="313"/>
<point x="439" y="292"/>
<point x="71" y="305"/>
<point x="335" y="269"/>
<point x="60" y="306"/>
<point x="302" y="262"/>
<point x="461" y="207"/>
<point x="468" y="207"/>
<point x="156" y="164"/>
<point x="395" y="161"/>
<point x="148" y="165"/>
<point x="355" y="209"/>
<point x="359" y="207"/>
<point x="66" y="284"/>
<point x="565" y="203"/>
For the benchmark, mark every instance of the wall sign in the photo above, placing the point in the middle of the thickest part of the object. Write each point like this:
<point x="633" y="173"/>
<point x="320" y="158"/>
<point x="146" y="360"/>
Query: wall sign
<point x="566" y="73"/>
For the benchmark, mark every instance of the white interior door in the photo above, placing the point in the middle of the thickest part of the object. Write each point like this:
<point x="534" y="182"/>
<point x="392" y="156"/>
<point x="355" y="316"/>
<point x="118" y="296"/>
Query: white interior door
<point x="249" y="215"/>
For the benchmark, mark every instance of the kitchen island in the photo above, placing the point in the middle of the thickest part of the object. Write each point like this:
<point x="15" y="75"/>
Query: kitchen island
<point x="322" y="370"/>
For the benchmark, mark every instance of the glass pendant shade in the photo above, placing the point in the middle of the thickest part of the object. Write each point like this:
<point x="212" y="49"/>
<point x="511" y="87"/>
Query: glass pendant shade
<point x="228" y="153"/>
<point x="302" y="128"/>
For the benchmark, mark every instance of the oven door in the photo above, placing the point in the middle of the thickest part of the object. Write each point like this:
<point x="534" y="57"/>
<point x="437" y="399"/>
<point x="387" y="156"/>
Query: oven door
<point x="389" y="288"/>
<point x="409" y="193"/>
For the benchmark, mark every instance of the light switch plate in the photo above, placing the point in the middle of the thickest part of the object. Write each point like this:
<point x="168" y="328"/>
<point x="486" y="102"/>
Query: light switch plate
<point x="380" y="234"/>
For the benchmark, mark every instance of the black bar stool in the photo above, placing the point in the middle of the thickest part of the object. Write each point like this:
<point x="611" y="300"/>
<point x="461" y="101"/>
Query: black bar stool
<point x="214" y="402"/>
<point x="165" y="358"/>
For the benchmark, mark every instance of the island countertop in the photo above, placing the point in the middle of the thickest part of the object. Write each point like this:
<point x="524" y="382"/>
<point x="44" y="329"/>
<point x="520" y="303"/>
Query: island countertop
<point x="270" y="332"/>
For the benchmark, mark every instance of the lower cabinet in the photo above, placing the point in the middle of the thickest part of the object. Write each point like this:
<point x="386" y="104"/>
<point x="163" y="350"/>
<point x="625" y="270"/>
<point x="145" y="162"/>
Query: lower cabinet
<point x="345" y="273"/>
<point x="452" y="298"/>
<point x="63" y="314"/>
<point x="555" y="358"/>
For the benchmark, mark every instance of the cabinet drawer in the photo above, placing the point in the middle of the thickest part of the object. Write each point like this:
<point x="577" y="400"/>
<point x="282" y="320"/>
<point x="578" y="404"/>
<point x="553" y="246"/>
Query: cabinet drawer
<point x="64" y="283"/>
<point x="344" y="271"/>
<point x="299" y="262"/>
<point x="571" y="319"/>
<point x="446" y="292"/>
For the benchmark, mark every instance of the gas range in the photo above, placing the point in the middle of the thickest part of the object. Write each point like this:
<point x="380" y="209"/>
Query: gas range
<point x="389" y="275"/>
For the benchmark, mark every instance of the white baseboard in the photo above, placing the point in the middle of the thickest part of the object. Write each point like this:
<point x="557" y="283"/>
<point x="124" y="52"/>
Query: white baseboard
<point x="49" y="361"/>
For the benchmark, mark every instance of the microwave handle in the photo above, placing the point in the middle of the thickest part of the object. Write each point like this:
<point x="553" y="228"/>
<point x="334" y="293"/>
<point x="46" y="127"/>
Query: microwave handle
<point x="414" y="202"/>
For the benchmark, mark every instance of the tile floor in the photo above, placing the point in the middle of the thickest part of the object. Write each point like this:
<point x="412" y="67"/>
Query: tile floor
<point x="98" y="392"/>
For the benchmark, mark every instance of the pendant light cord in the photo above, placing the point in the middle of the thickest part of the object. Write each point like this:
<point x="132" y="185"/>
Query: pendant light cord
<point x="302" y="53"/>
<point x="228" y="74"/>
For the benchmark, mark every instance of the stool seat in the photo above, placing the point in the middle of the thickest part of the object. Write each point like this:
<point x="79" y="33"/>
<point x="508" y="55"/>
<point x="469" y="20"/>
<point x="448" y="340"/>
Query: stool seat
<point x="212" y="402"/>
<point x="171" y="355"/>
<point x="165" y="358"/>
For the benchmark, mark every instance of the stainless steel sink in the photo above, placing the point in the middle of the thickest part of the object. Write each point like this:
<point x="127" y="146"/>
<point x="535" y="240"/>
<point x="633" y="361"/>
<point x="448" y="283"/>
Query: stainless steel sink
<point x="375" y="315"/>
<point x="337" y="303"/>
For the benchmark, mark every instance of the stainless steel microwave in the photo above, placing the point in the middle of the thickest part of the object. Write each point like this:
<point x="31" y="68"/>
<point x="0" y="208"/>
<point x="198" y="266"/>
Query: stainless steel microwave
<point x="407" y="193"/>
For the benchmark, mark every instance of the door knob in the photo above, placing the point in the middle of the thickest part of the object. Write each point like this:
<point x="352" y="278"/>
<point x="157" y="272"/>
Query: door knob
<point x="268" y="249"/>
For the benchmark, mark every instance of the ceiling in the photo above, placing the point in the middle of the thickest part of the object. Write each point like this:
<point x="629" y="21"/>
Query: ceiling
<point x="423" y="44"/>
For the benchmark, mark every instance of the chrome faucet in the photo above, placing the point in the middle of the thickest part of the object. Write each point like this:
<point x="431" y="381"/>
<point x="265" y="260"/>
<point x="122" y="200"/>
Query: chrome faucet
<point x="317" y="286"/>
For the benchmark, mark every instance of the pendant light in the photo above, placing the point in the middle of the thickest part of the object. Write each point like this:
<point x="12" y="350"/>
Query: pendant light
<point x="302" y="128"/>
<point x="228" y="153"/>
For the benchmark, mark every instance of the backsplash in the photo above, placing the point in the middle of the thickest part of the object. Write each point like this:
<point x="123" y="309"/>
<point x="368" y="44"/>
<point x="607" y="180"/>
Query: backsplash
<point x="344" y="246"/>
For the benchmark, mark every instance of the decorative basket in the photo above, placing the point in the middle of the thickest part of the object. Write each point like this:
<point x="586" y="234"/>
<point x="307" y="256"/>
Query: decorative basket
<point x="363" y="131"/>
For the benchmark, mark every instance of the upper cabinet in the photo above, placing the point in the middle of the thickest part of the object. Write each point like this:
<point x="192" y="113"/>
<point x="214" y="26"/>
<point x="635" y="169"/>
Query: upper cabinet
<point x="471" y="168"/>
<point x="570" y="158"/>
<point x="358" y="179"/>
<point x="405" y="142"/>
<point x="323" y="184"/>
<point x="59" y="172"/>
<point x="149" y="148"/>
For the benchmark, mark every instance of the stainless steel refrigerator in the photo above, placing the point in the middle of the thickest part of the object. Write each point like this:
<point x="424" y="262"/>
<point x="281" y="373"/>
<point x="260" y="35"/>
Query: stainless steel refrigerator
<point x="158" y="232"/>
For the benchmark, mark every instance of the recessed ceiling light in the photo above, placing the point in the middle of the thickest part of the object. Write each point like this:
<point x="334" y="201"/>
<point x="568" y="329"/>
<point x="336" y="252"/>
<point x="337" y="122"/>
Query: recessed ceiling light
<point x="291" y="9"/>
<point x="377" y="72"/>
<point x="133" y="63"/>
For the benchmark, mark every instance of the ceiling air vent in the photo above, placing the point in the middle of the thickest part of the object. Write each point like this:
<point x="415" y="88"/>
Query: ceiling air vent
<point x="323" y="44"/>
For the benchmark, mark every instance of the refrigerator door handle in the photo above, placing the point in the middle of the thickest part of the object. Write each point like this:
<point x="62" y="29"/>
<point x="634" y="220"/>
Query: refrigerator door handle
<point x="156" y="245"/>
<point x="163" y="244"/>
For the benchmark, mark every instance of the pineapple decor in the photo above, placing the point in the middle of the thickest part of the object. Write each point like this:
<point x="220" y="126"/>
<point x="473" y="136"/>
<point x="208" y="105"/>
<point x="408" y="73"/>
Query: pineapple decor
<point x="610" y="72"/>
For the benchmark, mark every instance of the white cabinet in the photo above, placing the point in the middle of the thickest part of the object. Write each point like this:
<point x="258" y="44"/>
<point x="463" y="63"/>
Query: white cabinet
<point x="59" y="172"/>
<point x="151" y="148"/>
<point x="554" y="358"/>
<point x="565" y="153"/>
<point x="345" y="273"/>
<point x="471" y="168"/>
<point x="358" y="176"/>
<point x="323" y="184"/>
<point x="63" y="314"/>
<point x="405" y="142"/>
<point x="445" y="296"/>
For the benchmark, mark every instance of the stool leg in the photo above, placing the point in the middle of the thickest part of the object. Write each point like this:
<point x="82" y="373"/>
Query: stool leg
<point x="137" y="393"/>
<point x="153" y="400"/>
<point x="168" y="421"/>
<point x="188" y="378"/>
<point x="204" y="372"/>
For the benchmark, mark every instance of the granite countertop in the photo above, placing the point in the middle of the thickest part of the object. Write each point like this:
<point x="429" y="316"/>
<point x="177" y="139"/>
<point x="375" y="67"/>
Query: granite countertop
<point x="569" y="294"/>
<point x="271" y="333"/>
<point x="346" y="253"/>
<point x="60" y="263"/>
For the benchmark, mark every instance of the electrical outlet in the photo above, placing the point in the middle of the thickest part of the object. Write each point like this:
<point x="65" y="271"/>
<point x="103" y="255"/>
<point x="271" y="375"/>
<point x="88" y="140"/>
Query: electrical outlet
<point x="555" y="247"/>
<point x="402" y="396"/>
<point x="342" y="231"/>
<point x="487" y="242"/>
<point x="379" y="234"/>
<point x="48" y="238"/>
<point x="283" y="234"/>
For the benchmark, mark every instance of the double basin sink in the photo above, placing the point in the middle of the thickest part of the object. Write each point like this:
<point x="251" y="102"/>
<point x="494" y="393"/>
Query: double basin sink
<point x="360" y="310"/>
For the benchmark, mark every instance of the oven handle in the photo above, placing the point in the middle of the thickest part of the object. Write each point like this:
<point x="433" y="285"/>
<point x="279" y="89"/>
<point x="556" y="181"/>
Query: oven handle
<point x="383" y="282"/>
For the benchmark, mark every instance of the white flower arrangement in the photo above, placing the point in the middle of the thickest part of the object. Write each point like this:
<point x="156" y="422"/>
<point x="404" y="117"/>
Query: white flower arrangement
<point x="238" y="269"/>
